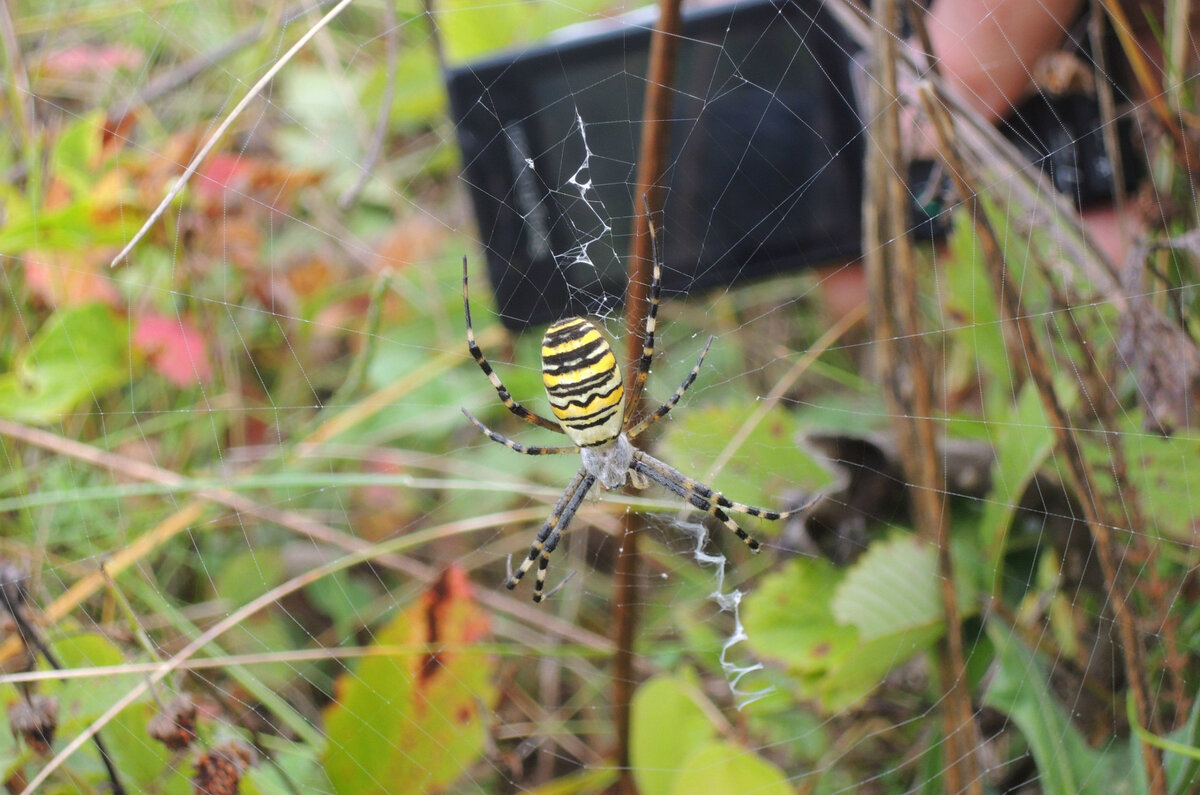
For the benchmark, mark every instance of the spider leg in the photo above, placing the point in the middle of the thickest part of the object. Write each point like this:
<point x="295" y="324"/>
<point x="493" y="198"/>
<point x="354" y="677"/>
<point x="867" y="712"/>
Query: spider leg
<point x="551" y="532"/>
<point x="693" y="486"/>
<point x="556" y="536"/>
<point x="517" y="446"/>
<point x="558" y="587"/>
<point x="501" y="389"/>
<point x="662" y="410"/>
<point x="697" y="501"/>
<point x="643" y="366"/>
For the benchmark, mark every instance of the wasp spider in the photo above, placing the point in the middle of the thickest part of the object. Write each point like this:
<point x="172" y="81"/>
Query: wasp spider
<point x="587" y="396"/>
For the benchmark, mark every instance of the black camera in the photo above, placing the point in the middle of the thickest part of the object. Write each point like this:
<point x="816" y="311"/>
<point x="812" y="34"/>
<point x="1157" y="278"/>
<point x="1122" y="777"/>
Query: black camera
<point x="764" y="169"/>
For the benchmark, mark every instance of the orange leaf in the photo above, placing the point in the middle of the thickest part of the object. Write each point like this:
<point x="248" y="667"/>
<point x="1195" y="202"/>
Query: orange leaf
<point x="66" y="278"/>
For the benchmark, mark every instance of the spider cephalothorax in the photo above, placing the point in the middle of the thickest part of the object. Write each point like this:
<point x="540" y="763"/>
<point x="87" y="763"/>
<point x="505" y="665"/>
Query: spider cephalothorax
<point x="583" y="383"/>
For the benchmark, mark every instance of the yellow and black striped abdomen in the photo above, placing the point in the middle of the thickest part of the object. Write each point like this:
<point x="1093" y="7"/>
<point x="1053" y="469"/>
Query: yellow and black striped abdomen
<point x="583" y="382"/>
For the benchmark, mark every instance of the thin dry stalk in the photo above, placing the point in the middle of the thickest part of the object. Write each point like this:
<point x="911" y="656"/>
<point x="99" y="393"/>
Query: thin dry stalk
<point x="1144" y="73"/>
<point x="1102" y="403"/>
<point x="1025" y="351"/>
<point x="664" y="46"/>
<point x="905" y="363"/>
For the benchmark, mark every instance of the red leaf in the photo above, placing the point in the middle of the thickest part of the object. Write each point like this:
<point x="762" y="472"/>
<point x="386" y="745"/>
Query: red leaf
<point x="85" y="60"/>
<point x="175" y="348"/>
<point x="224" y="172"/>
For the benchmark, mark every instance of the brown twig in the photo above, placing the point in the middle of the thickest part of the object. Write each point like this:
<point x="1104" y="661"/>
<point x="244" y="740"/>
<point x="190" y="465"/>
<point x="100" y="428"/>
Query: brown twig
<point x="906" y="365"/>
<point x="664" y="46"/>
<point x="1026" y="353"/>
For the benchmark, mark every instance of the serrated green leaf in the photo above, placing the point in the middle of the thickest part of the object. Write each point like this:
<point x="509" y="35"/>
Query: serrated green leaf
<point x="667" y="725"/>
<point x="891" y="590"/>
<point x="1161" y="471"/>
<point x="721" y="768"/>
<point x="789" y="618"/>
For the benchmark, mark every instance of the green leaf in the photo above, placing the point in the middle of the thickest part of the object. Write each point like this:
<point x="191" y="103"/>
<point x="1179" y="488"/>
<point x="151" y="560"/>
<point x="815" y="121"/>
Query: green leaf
<point x="777" y="720"/>
<point x="1020" y="689"/>
<point x="1183" y="770"/>
<point x="343" y="598"/>
<point x="87" y="698"/>
<point x="1022" y="443"/>
<point x="140" y="760"/>
<point x="841" y="632"/>
<point x="721" y="768"/>
<point x="667" y="725"/>
<point x="790" y="618"/>
<point x="415" y="716"/>
<point x="77" y="355"/>
<point x="420" y="97"/>
<point x="143" y="762"/>
<point x="76" y="153"/>
<point x="1181" y="759"/>
<point x="891" y="590"/>
<point x="971" y="304"/>
<point x="294" y="766"/>
<point x="471" y="28"/>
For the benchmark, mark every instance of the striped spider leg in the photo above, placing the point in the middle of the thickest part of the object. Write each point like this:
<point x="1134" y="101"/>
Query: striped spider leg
<point x="660" y="412"/>
<point x="500" y="438"/>
<point x="501" y="390"/>
<point x="643" y="365"/>
<point x="556" y="523"/>
<point x="549" y="536"/>
<point x="707" y="498"/>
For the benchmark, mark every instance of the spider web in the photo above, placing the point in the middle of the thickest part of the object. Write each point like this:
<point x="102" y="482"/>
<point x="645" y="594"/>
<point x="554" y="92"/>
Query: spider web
<point x="238" y="480"/>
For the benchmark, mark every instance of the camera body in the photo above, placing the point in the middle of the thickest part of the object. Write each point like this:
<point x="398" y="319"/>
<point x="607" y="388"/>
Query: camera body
<point x="764" y="172"/>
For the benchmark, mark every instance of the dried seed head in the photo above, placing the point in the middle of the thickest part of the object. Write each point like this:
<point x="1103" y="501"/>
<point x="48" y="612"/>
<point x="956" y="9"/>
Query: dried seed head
<point x="219" y="771"/>
<point x="36" y="719"/>
<point x="175" y="726"/>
